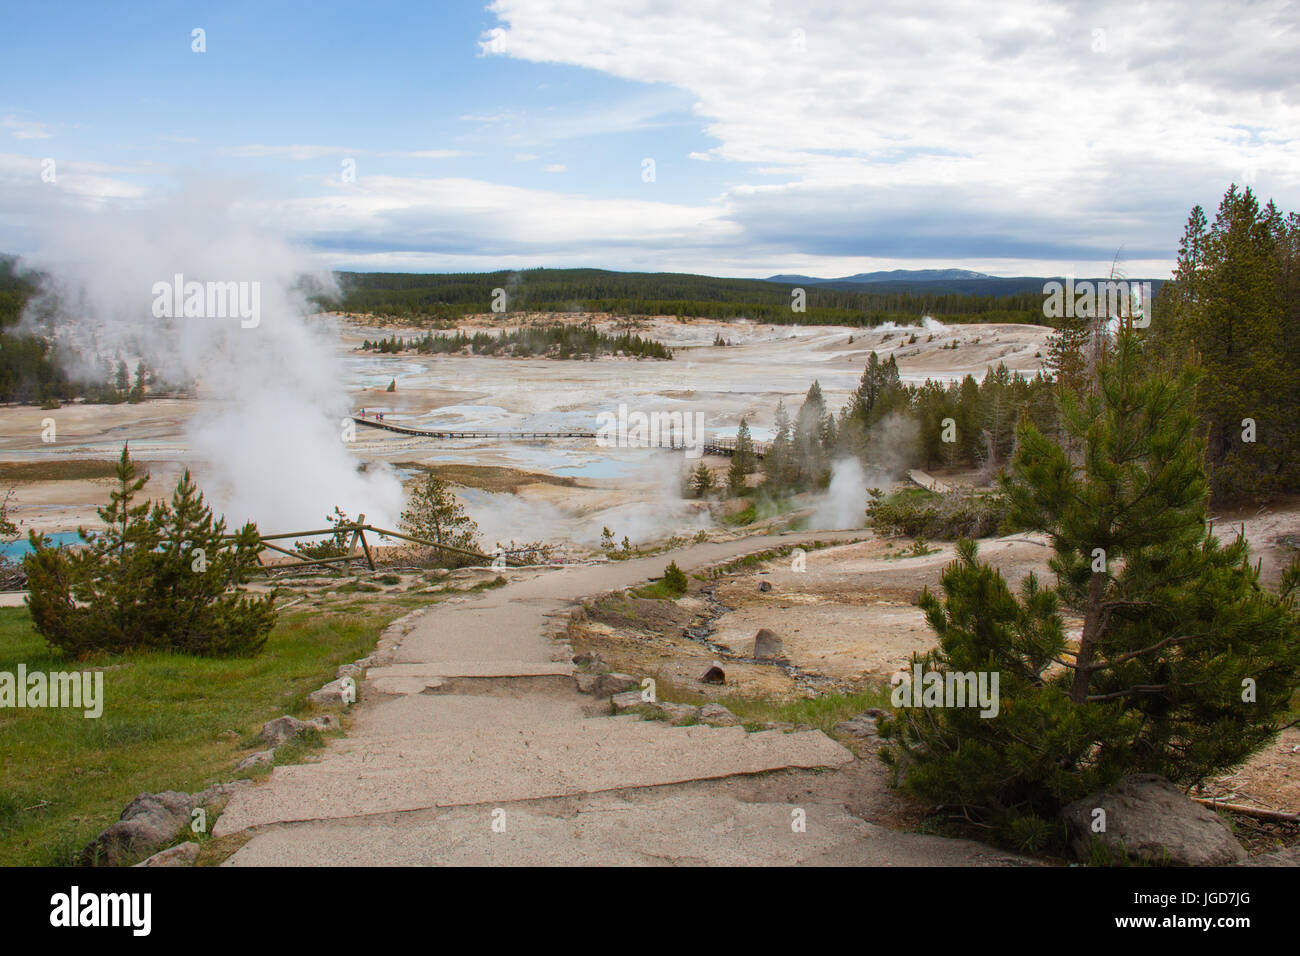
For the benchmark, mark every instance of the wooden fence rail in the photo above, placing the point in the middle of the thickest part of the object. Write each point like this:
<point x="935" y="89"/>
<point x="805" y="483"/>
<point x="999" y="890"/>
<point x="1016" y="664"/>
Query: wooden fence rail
<point x="358" y="530"/>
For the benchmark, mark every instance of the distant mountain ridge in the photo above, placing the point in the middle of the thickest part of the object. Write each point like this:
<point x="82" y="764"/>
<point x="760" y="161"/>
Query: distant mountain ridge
<point x="893" y="275"/>
<point x="959" y="281"/>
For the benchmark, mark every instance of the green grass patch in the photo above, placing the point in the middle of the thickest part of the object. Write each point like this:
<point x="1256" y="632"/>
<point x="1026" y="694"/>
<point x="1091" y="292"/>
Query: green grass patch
<point x="169" y="722"/>
<point x="70" y="469"/>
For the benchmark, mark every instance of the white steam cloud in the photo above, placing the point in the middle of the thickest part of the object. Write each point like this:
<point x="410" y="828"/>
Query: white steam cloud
<point x="268" y="436"/>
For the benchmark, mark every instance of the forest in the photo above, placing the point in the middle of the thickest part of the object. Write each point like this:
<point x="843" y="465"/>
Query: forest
<point x="1231" y="312"/>
<point x="557" y="341"/>
<point x="450" y="296"/>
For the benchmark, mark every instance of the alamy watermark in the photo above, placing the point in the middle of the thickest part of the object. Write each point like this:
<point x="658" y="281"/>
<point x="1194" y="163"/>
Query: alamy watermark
<point x="1086" y="299"/>
<point x="942" y="689"/>
<point x="208" y="300"/>
<point x="638" y="429"/>
<point x="77" y="689"/>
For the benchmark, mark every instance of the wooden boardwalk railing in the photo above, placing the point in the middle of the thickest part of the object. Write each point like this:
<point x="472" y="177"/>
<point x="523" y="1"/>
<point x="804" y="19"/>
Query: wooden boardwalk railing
<point x="473" y="433"/>
<point x="358" y="530"/>
<point x="712" y="446"/>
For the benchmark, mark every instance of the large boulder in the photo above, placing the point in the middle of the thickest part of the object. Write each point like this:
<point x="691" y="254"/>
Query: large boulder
<point x="767" y="644"/>
<point x="149" y="823"/>
<point x="1150" y="820"/>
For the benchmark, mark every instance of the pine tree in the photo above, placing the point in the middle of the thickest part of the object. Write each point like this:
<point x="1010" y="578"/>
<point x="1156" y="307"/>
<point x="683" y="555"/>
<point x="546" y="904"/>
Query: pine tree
<point x="153" y="578"/>
<point x="701" y="481"/>
<point x="743" y="460"/>
<point x="433" y="514"/>
<point x="1176" y="626"/>
<point x="1226" y="306"/>
<point x="812" y="461"/>
<point x="778" y="464"/>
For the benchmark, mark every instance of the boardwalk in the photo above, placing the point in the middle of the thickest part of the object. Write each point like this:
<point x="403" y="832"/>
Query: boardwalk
<point x="474" y="433"/>
<point x="725" y="447"/>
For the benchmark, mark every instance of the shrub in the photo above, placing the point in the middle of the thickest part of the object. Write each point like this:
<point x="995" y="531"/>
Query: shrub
<point x="675" y="579"/>
<point x="154" y="578"/>
<point x="919" y="513"/>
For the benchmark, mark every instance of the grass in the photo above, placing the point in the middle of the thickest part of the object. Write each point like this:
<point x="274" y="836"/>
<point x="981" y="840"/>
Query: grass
<point x="170" y="722"/>
<point x="71" y="469"/>
<point x="492" y="478"/>
<point x="822" y="712"/>
<point x="657" y="591"/>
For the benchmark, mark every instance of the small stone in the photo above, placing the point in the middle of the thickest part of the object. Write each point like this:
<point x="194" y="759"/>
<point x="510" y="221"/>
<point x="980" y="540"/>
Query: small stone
<point x="764" y="586"/>
<point x="626" y="702"/>
<point x="859" y="726"/>
<point x="349" y="670"/>
<point x="714" y="675"/>
<point x="606" y="685"/>
<point x="715" y="715"/>
<point x="590" y="662"/>
<point x="263" y="758"/>
<point x="676" y="713"/>
<point x="276" y="732"/>
<point x="183" y="854"/>
<point x="337" y="693"/>
<point x="767" y="644"/>
<point x="325" y="722"/>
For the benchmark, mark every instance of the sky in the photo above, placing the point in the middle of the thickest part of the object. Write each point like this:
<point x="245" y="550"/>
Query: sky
<point x="738" y="138"/>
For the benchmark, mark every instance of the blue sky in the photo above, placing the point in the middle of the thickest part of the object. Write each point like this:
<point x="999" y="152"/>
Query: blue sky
<point x="818" y="137"/>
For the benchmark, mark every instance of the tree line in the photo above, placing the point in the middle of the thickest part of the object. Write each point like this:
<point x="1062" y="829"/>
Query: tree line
<point x="559" y="341"/>
<point x="448" y="297"/>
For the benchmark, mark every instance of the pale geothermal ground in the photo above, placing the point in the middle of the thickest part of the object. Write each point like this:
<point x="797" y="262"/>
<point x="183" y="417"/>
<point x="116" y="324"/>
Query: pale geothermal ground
<point x="633" y="491"/>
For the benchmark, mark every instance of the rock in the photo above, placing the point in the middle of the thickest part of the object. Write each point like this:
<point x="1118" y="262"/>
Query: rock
<point x="1290" y="856"/>
<point x="714" y="675"/>
<point x="349" y="670"/>
<point x="276" y="732"/>
<point x="217" y="795"/>
<point x="628" y="701"/>
<point x="149" y="822"/>
<point x="767" y="644"/>
<point x="715" y="715"/>
<point x="263" y="758"/>
<point x="183" y="854"/>
<point x="1150" y="820"/>
<point x="590" y="662"/>
<point x="606" y="685"/>
<point x="325" y="722"/>
<point x="860" y="726"/>
<point x="675" y="713"/>
<point x="764" y="586"/>
<point x="337" y="693"/>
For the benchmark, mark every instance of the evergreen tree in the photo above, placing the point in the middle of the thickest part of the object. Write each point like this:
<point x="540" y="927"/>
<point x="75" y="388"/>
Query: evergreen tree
<point x="701" y="480"/>
<point x="743" y="461"/>
<point x="433" y="514"/>
<point x="1227" y="307"/>
<point x="153" y="578"/>
<point x="1184" y="667"/>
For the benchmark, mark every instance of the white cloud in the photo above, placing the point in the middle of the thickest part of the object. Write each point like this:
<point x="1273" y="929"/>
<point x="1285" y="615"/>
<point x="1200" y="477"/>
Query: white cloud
<point x="26" y="129"/>
<point x="1104" y="122"/>
<point x="555" y="168"/>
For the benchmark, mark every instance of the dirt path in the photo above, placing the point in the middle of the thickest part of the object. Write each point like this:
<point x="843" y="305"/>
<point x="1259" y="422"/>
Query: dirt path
<point x="471" y="744"/>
